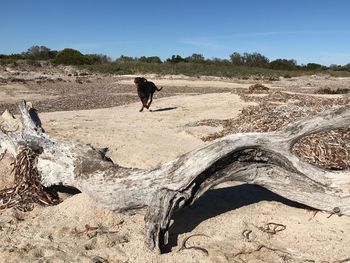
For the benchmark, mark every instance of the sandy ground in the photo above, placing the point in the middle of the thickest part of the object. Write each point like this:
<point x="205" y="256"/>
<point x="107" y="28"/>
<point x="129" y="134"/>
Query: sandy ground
<point x="146" y="139"/>
<point x="229" y="220"/>
<point x="11" y="92"/>
<point x="198" y="83"/>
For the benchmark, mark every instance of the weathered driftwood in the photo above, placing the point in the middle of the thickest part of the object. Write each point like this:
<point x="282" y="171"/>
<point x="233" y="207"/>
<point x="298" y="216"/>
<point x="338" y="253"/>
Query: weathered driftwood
<point x="264" y="159"/>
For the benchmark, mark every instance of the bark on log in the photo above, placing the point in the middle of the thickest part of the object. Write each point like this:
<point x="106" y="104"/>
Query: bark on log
<point x="264" y="159"/>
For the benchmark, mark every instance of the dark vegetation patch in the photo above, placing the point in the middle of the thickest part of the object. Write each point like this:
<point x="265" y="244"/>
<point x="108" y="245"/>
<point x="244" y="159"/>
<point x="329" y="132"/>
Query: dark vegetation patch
<point x="332" y="91"/>
<point x="258" y="88"/>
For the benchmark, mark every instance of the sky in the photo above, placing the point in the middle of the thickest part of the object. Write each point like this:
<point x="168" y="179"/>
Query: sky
<point x="306" y="30"/>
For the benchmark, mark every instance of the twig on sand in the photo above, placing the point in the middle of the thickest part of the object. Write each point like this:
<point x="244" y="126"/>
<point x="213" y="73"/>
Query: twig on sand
<point x="92" y="231"/>
<point x="272" y="228"/>
<point x="184" y="246"/>
<point x="314" y="213"/>
<point x="260" y="247"/>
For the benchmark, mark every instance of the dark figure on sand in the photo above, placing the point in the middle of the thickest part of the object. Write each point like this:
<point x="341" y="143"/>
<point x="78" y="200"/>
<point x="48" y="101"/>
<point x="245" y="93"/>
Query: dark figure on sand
<point x="145" y="90"/>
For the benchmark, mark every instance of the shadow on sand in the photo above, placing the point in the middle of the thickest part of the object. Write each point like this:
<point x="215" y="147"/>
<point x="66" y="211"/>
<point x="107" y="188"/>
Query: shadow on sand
<point x="164" y="109"/>
<point x="216" y="202"/>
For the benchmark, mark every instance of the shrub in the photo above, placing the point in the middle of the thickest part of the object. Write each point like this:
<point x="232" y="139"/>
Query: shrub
<point x="332" y="91"/>
<point x="283" y="64"/>
<point x="176" y="59"/>
<point x="153" y="59"/>
<point x="195" y="58"/>
<point x="97" y="58"/>
<point x="39" y="53"/>
<point x="70" y="56"/>
<point x="313" y="66"/>
<point x="254" y="59"/>
<point x="125" y="59"/>
<point x="236" y="59"/>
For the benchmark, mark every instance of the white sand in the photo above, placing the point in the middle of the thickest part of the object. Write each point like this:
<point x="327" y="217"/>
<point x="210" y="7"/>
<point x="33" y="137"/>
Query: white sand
<point x="146" y="139"/>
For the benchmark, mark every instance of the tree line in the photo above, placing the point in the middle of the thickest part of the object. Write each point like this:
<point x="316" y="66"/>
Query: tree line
<point x="70" y="56"/>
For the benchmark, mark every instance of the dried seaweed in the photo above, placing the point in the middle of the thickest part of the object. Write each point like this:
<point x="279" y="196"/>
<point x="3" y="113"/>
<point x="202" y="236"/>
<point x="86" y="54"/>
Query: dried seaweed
<point x="258" y="88"/>
<point x="27" y="188"/>
<point x="265" y="117"/>
<point x="326" y="149"/>
<point x="329" y="150"/>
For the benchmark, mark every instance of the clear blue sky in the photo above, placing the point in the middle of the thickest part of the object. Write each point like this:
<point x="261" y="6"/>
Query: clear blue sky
<point x="305" y="30"/>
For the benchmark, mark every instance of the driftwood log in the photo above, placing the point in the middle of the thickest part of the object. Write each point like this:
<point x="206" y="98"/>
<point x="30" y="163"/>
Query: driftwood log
<point x="265" y="159"/>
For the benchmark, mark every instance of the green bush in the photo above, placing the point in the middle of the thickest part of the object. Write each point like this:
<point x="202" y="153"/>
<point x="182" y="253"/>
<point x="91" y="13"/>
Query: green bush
<point x="153" y="59"/>
<point x="176" y="59"/>
<point x="283" y="64"/>
<point x="70" y="56"/>
<point x="254" y="59"/>
<point x="313" y="66"/>
<point x="195" y="58"/>
<point x="97" y="59"/>
<point x="39" y="53"/>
